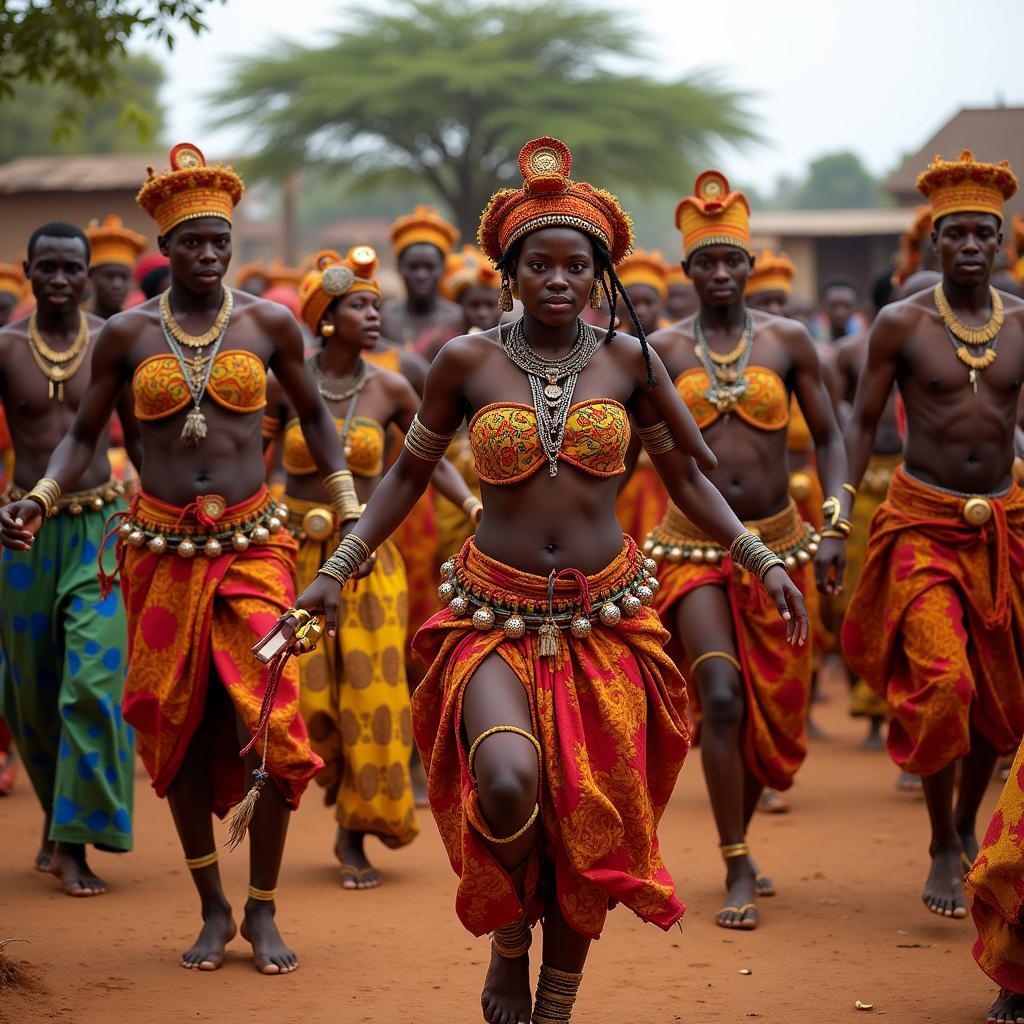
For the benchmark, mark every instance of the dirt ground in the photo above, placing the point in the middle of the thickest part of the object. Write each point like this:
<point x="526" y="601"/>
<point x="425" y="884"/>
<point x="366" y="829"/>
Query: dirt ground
<point x="848" y="923"/>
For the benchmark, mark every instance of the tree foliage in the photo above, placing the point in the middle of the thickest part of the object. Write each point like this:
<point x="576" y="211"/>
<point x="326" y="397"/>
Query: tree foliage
<point x="446" y="91"/>
<point x="837" y="181"/>
<point x="81" y="46"/>
<point x="29" y="121"/>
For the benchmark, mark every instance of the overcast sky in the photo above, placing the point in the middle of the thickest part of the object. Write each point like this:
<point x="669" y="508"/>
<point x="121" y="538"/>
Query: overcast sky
<point x="875" y="76"/>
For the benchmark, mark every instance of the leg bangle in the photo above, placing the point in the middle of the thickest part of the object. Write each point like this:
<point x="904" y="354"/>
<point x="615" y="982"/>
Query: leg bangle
<point x="518" y="834"/>
<point x="494" y="731"/>
<point x="512" y="940"/>
<point x="263" y="895"/>
<point x="198" y="863"/>
<point x="724" y="655"/>
<point x="731" y="850"/>
<point x="556" y="994"/>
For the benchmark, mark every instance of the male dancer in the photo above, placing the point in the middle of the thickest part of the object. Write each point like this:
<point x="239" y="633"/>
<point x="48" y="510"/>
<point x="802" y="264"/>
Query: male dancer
<point x="63" y="643"/>
<point x="935" y="620"/>
<point x="115" y="250"/>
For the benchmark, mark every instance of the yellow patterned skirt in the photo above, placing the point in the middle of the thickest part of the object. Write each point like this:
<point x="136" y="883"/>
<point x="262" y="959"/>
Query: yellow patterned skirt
<point x="354" y="696"/>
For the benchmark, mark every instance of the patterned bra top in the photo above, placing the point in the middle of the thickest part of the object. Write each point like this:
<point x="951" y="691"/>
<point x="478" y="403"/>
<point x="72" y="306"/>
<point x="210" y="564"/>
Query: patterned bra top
<point x="238" y="382"/>
<point x="764" y="405"/>
<point x="364" y="448"/>
<point x="507" y="449"/>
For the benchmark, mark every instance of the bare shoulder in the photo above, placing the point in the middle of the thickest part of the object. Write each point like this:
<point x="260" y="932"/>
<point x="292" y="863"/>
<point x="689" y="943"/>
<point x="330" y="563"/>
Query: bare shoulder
<point x="899" y="318"/>
<point x="12" y="335"/>
<point x="668" y="339"/>
<point x="394" y="385"/>
<point x="466" y="352"/>
<point x="96" y="323"/>
<point x="125" y="327"/>
<point x="1012" y="306"/>
<point x="271" y="316"/>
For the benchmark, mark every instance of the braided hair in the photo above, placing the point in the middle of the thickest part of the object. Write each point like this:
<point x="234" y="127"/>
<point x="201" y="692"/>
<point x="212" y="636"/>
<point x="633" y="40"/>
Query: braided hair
<point x="610" y="285"/>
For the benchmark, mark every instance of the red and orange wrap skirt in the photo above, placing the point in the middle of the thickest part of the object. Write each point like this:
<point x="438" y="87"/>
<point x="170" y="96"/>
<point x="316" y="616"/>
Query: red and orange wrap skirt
<point x="193" y="616"/>
<point x="776" y="677"/>
<point x="609" y="712"/>
<point x="935" y="622"/>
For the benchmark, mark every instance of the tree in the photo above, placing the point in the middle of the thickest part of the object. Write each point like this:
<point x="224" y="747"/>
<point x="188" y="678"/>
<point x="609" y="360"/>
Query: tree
<point x="837" y="181"/>
<point x="446" y="91"/>
<point x="81" y="45"/>
<point x="29" y="121"/>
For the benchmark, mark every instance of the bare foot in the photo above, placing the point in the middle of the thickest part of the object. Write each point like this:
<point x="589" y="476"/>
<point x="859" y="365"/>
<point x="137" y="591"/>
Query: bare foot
<point x="269" y="952"/>
<point x="207" y="954"/>
<point x="969" y="842"/>
<point x="739" y="910"/>
<point x="906" y="782"/>
<point x="45" y="855"/>
<point x="943" y="891"/>
<point x="763" y="885"/>
<point x="771" y="801"/>
<point x="68" y="863"/>
<point x="506" y="998"/>
<point x="356" y="870"/>
<point x="1007" y="1009"/>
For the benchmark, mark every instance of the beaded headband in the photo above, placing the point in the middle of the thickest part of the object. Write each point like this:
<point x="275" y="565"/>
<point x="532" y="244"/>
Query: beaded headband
<point x="647" y="268"/>
<point x="966" y="185"/>
<point x="424" y="224"/>
<point x="772" y="273"/>
<point x="468" y="268"/>
<point x="713" y="215"/>
<point x="333" y="277"/>
<point x="111" y="242"/>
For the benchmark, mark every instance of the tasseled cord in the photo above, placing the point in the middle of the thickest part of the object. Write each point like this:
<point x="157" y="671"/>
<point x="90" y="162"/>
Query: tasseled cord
<point x="238" y="823"/>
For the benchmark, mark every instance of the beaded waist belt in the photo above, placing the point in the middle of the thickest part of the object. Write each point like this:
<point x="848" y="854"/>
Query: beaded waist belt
<point x="206" y="524"/>
<point x="678" y="539"/>
<point x="519" y="603"/>
<point x="74" y="502"/>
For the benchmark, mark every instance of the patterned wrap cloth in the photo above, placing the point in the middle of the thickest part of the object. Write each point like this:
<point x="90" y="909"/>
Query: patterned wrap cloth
<point x="934" y="623"/>
<point x="193" y="618"/>
<point x="609" y="712"/>
<point x="995" y="887"/>
<point x="62" y="665"/>
<point x="776" y="676"/>
<point x="354" y="697"/>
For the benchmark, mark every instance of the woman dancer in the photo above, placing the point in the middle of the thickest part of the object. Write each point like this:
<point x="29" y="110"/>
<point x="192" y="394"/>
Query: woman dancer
<point x="353" y="693"/>
<point x="551" y="721"/>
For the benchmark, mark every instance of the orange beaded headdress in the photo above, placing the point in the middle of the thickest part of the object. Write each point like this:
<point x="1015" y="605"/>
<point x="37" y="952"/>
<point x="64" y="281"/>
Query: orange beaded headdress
<point x="280" y="276"/>
<point x="112" y="242"/>
<point x="12" y="280"/>
<point x="772" y="273"/>
<point x="424" y="224"/>
<point x="333" y="277"/>
<point x="647" y="268"/>
<point x="549" y="198"/>
<point x="254" y="269"/>
<point x="468" y="268"/>
<point x="189" y="190"/>
<point x="966" y="185"/>
<point x="910" y="244"/>
<point x="1017" y="268"/>
<point x="674" y="274"/>
<point x="713" y="215"/>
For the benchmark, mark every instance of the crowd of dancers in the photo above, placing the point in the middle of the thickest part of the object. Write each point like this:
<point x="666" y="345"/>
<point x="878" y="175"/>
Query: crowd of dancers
<point x="552" y="514"/>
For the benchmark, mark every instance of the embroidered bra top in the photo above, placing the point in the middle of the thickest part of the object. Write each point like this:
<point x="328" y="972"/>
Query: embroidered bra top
<point x="364" y="448"/>
<point x="238" y="382"/>
<point x="764" y="405"/>
<point x="507" y="449"/>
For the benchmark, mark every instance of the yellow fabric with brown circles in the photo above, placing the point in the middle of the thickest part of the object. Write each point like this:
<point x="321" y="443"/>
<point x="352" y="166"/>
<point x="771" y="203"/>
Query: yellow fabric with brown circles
<point x="355" y="700"/>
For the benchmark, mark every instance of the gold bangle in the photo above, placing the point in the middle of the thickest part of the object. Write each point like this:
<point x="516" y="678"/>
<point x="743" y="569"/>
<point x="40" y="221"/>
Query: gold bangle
<point x="341" y="489"/>
<point x="347" y="557"/>
<point x="734" y="850"/>
<point x="424" y="443"/>
<point x="851" y="490"/>
<point x="263" y="895"/>
<point x="471" y="506"/>
<point x="198" y="863"/>
<point x="45" y="494"/>
<point x="657" y="439"/>
<point x="518" y="834"/>
<point x="831" y="510"/>
<point x="831" y="533"/>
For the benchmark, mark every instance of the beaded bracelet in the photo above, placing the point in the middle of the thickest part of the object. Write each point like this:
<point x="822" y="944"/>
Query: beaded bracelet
<point x="45" y="494"/>
<point x="424" y="443"/>
<point x="657" y="439"/>
<point x="347" y="557"/>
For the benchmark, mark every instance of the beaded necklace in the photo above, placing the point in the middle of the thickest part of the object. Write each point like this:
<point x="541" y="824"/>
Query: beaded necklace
<point x="58" y="366"/>
<point x="961" y="335"/>
<point x="725" y="371"/>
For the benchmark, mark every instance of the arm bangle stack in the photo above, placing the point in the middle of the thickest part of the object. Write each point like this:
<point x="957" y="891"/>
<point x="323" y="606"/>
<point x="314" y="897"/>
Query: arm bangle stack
<point x="424" y="443"/>
<point x="45" y="494"/>
<point x="851" y="490"/>
<point x="471" y="506"/>
<point x="657" y="439"/>
<point x="348" y="556"/>
<point x="840" y="529"/>
<point x="342" y="490"/>
<point x="756" y="557"/>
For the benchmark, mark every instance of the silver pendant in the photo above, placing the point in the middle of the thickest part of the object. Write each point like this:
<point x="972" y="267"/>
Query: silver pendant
<point x="553" y="392"/>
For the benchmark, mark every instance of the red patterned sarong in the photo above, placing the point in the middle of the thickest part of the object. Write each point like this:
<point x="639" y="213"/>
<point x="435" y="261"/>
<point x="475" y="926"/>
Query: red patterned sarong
<point x="183" y="612"/>
<point x="609" y="714"/>
<point x="995" y="887"/>
<point x="776" y="676"/>
<point x="935" y="622"/>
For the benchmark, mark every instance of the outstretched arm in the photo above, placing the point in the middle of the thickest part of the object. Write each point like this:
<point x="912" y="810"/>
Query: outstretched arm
<point x="21" y="520"/>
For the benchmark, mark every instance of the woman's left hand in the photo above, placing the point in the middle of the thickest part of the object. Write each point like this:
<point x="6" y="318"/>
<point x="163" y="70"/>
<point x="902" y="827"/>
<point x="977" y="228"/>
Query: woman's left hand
<point x="790" y="603"/>
<point x="830" y="565"/>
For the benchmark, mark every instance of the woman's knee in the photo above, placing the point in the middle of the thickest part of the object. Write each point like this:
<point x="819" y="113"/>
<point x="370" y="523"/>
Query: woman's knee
<point x="721" y="697"/>
<point x="507" y="779"/>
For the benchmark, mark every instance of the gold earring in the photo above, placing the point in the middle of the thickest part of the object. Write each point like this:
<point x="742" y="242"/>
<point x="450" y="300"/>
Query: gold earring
<point x="595" y="296"/>
<point x="505" y="296"/>
<point x="326" y="330"/>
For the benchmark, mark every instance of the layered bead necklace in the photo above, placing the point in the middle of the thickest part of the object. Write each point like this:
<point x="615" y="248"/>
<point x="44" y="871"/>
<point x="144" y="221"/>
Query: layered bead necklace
<point x="58" y="366"/>
<point x="552" y="382"/>
<point x="725" y="369"/>
<point x="195" y="369"/>
<point x="340" y="390"/>
<point x="961" y="335"/>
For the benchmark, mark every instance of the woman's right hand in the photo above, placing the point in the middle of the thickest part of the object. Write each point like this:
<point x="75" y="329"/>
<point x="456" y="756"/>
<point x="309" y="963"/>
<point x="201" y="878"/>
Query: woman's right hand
<point x="319" y="598"/>
<point x="19" y="523"/>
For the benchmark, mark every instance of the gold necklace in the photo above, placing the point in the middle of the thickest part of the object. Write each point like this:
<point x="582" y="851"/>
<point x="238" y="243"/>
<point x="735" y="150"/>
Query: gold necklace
<point x="730" y="357"/>
<point x="965" y="332"/>
<point x="58" y="366"/>
<point x="196" y="340"/>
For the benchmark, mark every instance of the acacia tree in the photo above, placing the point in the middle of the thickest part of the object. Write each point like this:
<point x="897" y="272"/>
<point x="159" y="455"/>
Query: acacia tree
<point x="446" y="91"/>
<point x="80" y="47"/>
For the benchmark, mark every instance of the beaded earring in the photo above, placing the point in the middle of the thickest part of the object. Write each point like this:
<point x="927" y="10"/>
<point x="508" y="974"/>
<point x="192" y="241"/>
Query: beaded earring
<point x="505" y="296"/>
<point x="596" y="300"/>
